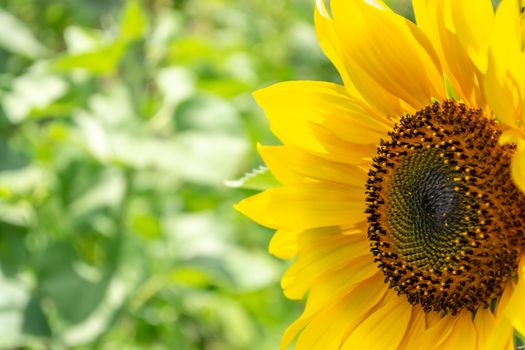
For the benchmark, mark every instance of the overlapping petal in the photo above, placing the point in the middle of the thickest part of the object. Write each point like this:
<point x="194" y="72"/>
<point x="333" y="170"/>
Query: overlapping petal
<point x="305" y="206"/>
<point x="292" y="165"/>
<point x="326" y="327"/>
<point x="385" y="57"/>
<point x="516" y="305"/>
<point x="384" y="328"/>
<point x="443" y="22"/>
<point x="504" y="84"/>
<point x="322" y="257"/>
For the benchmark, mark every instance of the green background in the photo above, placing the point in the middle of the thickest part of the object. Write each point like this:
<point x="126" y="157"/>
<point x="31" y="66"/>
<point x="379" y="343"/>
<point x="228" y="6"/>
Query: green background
<point x="119" y="123"/>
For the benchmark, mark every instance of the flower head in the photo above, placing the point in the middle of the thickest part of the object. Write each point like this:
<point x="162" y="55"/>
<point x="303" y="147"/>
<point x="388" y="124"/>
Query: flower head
<point x="402" y="193"/>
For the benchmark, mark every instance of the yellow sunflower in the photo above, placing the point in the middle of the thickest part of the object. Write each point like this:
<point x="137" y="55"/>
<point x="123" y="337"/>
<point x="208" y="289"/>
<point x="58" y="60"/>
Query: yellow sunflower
<point x="400" y="196"/>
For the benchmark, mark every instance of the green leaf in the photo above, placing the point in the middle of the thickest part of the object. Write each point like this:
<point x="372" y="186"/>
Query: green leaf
<point x="102" y="61"/>
<point x="519" y="341"/>
<point x="17" y="38"/>
<point x="257" y="179"/>
<point x="134" y="22"/>
<point x="21" y="315"/>
<point x="35" y="321"/>
<point x="32" y="91"/>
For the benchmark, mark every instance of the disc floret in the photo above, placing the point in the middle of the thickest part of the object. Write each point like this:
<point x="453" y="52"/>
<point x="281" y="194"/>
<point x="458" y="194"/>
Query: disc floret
<point x="445" y="219"/>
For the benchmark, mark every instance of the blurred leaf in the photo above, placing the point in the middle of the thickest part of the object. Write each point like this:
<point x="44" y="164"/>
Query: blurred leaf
<point x="85" y="298"/>
<point x="24" y="180"/>
<point x="176" y="84"/>
<point x="519" y="341"/>
<point x="14" y="299"/>
<point x="146" y="225"/>
<point x="196" y="234"/>
<point x="251" y="270"/>
<point x="101" y="61"/>
<point x="191" y="276"/>
<point x="80" y="40"/>
<point x="14" y="255"/>
<point x="134" y="22"/>
<point x="33" y="91"/>
<point x="21" y="316"/>
<point x="35" y="322"/>
<point x="208" y="113"/>
<point x="61" y="282"/>
<point x="226" y="87"/>
<point x="104" y="59"/>
<point x="17" y="38"/>
<point x="227" y="315"/>
<point x="259" y="179"/>
<point x="206" y="158"/>
<point x="19" y="213"/>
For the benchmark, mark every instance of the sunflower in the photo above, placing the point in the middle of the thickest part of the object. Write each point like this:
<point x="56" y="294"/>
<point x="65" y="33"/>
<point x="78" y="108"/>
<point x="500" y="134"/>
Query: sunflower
<point x="402" y="196"/>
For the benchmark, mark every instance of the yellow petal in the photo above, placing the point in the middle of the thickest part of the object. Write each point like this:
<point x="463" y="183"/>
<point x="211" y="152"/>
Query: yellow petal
<point x="415" y="329"/>
<point x="296" y="207"/>
<point x="389" y="57"/>
<point x="384" y="328"/>
<point x="493" y="333"/>
<point x="329" y="42"/>
<point x="503" y="88"/>
<point x="484" y="323"/>
<point x="340" y="150"/>
<point x="292" y="107"/>
<point x="315" y="267"/>
<point x="473" y="20"/>
<point x="503" y="84"/>
<point x="292" y="165"/>
<point x="327" y="329"/>
<point x="515" y="309"/>
<point x="323" y="295"/>
<point x="438" y="329"/>
<point x="463" y="334"/>
<point x="284" y="244"/>
<point x="435" y="18"/>
<point x="506" y="31"/>
<point x="518" y="168"/>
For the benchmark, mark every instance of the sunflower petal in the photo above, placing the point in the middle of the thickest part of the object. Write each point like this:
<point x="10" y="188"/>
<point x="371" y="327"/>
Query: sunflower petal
<point x="314" y="267"/>
<point x="437" y="330"/>
<point x="394" y="67"/>
<point x="515" y="308"/>
<point x="292" y="165"/>
<point x="326" y="329"/>
<point x="492" y="332"/>
<point x="518" y="168"/>
<point x="284" y="244"/>
<point x="473" y="21"/>
<point x="340" y="150"/>
<point x="384" y="328"/>
<point x="296" y="105"/>
<point x="435" y="18"/>
<point x="503" y="84"/>
<point x="463" y="334"/>
<point x="416" y="329"/>
<point x="484" y="322"/>
<point x="297" y="207"/>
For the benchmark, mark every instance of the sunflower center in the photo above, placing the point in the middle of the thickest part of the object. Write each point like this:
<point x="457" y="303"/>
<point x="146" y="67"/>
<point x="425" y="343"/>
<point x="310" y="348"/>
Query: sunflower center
<point x="445" y="219"/>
